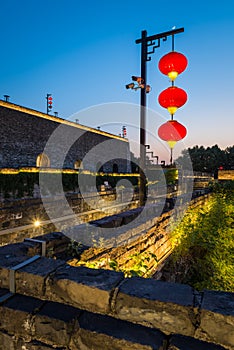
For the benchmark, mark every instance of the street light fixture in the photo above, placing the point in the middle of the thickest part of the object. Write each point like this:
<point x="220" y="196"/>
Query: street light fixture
<point x="146" y="42"/>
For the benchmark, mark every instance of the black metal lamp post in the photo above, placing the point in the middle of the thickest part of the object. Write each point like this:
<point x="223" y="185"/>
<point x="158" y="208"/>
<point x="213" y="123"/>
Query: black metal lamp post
<point x="146" y="42"/>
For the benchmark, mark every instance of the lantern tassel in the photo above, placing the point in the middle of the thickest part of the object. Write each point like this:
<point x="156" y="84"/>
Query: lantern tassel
<point x="171" y="156"/>
<point x="171" y="143"/>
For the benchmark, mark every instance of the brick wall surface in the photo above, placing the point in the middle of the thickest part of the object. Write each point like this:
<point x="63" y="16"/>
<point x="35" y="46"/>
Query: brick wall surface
<point x="24" y="136"/>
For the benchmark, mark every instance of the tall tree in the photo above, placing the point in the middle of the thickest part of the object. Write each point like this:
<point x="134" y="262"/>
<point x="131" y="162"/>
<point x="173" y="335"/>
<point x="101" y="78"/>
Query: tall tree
<point x="209" y="159"/>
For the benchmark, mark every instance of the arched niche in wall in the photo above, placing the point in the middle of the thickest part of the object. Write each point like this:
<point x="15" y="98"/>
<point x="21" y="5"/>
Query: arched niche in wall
<point x="78" y="164"/>
<point x="99" y="167"/>
<point x="115" y="168"/>
<point x="43" y="161"/>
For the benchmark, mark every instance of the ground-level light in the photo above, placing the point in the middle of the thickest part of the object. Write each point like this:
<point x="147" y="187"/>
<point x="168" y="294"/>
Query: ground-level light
<point x="37" y="223"/>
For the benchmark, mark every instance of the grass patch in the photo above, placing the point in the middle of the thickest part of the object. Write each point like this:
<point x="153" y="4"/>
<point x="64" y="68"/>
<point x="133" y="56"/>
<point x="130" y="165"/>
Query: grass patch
<point x="203" y="255"/>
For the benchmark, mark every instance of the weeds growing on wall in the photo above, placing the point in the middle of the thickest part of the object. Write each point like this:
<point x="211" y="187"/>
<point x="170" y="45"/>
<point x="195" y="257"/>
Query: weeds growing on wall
<point x="204" y="243"/>
<point x="137" y="264"/>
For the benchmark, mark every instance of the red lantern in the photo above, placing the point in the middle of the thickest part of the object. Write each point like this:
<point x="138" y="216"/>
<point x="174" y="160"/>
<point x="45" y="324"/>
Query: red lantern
<point x="172" y="131"/>
<point x="172" y="98"/>
<point x="172" y="64"/>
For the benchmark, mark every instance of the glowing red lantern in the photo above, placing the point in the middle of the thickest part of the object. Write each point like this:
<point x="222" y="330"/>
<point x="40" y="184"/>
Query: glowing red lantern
<point x="172" y="64"/>
<point x="172" y="98"/>
<point x="172" y="131"/>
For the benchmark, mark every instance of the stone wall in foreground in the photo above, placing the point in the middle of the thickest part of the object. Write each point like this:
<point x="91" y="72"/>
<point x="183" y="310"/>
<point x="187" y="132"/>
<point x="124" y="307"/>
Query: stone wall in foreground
<point x="47" y="304"/>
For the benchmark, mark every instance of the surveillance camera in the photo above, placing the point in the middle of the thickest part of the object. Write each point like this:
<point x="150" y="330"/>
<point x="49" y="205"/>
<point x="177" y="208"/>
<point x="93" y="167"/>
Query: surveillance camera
<point x="130" y="86"/>
<point x="134" y="78"/>
<point x="147" y="89"/>
<point x="139" y="80"/>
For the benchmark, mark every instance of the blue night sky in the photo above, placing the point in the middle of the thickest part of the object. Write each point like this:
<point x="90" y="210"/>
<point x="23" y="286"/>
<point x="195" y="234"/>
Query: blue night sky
<point x="84" y="53"/>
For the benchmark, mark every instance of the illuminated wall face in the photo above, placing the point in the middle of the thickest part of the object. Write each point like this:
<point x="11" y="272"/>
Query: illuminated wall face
<point x="24" y="136"/>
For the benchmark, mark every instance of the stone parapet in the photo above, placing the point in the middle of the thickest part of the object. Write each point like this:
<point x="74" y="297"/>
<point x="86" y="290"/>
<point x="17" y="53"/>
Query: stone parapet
<point x="31" y="323"/>
<point x="157" y="304"/>
<point x="63" y="307"/>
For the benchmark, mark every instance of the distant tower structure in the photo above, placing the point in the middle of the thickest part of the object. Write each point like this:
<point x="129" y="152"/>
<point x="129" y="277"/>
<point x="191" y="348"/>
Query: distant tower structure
<point x="124" y="132"/>
<point x="6" y="98"/>
<point x="49" y="102"/>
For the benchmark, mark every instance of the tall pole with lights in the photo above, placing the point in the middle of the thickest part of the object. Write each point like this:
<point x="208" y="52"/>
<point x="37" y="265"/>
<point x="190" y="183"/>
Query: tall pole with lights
<point x="147" y="42"/>
<point x="49" y="101"/>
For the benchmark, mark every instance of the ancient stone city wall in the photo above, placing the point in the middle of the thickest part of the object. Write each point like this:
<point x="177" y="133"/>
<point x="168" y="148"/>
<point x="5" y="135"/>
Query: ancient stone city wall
<point x="47" y="304"/>
<point x="25" y="132"/>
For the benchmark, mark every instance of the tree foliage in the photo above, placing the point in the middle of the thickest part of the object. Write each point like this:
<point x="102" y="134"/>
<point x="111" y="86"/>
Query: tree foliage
<point x="209" y="159"/>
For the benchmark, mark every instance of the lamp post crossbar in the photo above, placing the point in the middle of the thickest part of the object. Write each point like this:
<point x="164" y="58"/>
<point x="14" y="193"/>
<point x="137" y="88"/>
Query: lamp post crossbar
<point x="160" y="35"/>
<point x="146" y="42"/>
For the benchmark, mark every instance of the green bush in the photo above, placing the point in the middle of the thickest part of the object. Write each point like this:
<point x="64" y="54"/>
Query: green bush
<point x="18" y="185"/>
<point x="22" y="184"/>
<point x="204" y="244"/>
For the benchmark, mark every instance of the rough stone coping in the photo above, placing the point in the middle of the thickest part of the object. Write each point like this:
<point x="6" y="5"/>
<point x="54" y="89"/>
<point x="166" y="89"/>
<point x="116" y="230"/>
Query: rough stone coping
<point x="54" y="240"/>
<point x="217" y="317"/>
<point x="162" y="305"/>
<point x="119" y="229"/>
<point x="32" y="320"/>
<point x="117" y="219"/>
<point x="90" y="289"/>
<point x="212" y="314"/>
<point x="36" y="324"/>
<point x="218" y="302"/>
<point x="179" y="342"/>
<point x="168" y="307"/>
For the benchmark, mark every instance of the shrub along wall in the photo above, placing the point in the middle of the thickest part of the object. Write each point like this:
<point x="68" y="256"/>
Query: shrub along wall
<point x="203" y="241"/>
<point x="18" y="183"/>
<point x="21" y="183"/>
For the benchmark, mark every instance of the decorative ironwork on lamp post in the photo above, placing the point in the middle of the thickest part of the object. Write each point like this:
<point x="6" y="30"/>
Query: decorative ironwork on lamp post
<point x="153" y="42"/>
